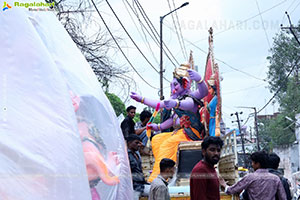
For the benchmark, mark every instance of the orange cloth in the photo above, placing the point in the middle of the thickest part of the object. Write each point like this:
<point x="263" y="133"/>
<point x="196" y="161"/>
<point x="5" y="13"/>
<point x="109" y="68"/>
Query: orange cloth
<point x="165" y="145"/>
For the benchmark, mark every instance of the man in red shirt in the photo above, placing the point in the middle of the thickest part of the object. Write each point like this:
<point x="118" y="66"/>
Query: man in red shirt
<point x="204" y="182"/>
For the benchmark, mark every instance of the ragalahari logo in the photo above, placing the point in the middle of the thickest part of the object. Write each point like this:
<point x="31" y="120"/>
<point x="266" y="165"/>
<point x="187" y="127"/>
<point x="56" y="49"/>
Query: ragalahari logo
<point x="6" y="6"/>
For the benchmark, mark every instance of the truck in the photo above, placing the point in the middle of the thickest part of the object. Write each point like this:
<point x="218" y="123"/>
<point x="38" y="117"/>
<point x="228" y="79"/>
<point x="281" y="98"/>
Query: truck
<point x="188" y="155"/>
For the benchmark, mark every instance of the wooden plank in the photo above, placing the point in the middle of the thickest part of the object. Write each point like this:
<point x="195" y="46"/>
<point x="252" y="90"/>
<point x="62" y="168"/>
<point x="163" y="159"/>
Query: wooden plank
<point x="183" y="182"/>
<point x="226" y="167"/>
<point x="189" y="145"/>
<point x="187" y="197"/>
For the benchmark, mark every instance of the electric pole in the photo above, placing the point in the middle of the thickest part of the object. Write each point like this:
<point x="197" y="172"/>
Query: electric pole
<point x="297" y="133"/>
<point x="291" y="27"/>
<point x="255" y="124"/>
<point x="242" y="138"/>
<point x="256" y="128"/>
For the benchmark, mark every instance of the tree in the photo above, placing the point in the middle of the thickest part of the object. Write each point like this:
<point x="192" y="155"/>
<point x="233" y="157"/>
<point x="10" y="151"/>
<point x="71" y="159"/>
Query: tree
<point x="285" y="57"/>
<point x="117" y="104"/>
<point x="81" y="22"/>
<point x="275" y="132"/>
<point x="156" y="119"/>
<point x="283" y="80"/>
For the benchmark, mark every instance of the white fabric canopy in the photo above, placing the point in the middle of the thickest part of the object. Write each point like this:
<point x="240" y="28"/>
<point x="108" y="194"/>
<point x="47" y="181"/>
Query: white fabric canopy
<point x="41" y="154"/>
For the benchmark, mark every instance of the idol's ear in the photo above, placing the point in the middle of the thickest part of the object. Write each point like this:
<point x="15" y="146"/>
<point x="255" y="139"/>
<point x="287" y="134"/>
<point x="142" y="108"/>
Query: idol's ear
<point x="186" y="83"/>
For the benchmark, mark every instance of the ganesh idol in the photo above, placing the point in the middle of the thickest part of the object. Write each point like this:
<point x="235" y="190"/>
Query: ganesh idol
<point x="182" y="112"/>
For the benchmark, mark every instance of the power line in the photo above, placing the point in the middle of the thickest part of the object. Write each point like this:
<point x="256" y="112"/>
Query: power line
<point x="178" y="37"/>
<point x="236" y="91"/>
<point x="287" y="10"/>
<point x="153" y="36"/>
<point x="278" y="88"/>
<point x="287" y="74"/>
<point x="250" y="115"/>
<point x="180" y="32"/>
<point x="120" y="47"/>
<point x="132" y="39"/>
<point x="242" y="22"/>
<point x="226" y="63"/>
<point x="291" y="28"/>
<point x="282" y="20"/>
<point x="291" y="5"/>
<point x="263" y="25"/>
<point x="143" y="27"/>
<point x="144" y="34"/>
<point x="151" y="26"/>
<point x="240" y="70"/>
<point x="155" y="33"/>
<point x="228" y="107"/>
<point x="295" y="7"/>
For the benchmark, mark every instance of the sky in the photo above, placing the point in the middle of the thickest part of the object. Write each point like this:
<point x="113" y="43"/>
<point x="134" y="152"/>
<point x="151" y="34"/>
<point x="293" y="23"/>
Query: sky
<point x="241" y="45"/>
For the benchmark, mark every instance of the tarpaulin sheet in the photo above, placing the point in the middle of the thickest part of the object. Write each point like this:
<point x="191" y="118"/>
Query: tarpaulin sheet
<point x="41" y="152"/>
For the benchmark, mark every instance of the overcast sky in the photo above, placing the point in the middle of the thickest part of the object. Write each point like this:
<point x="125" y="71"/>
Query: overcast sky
<point x="240" y="41"/>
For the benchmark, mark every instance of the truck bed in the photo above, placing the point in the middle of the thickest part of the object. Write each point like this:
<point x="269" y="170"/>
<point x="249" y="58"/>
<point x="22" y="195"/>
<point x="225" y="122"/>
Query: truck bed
<point x="192" y="150"/>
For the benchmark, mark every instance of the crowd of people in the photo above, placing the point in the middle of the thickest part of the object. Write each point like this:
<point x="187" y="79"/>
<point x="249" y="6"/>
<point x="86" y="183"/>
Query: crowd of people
<point x="266" y="182"/>
<point x="182" y="112"/>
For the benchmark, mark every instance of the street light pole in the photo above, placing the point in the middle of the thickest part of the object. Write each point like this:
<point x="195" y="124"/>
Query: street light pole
<point x="161" y="61"/>
<point x="161" y="48"/>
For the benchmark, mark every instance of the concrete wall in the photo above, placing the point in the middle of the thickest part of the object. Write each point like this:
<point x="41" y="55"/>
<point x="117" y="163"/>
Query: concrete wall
<point x="288" y="159"/>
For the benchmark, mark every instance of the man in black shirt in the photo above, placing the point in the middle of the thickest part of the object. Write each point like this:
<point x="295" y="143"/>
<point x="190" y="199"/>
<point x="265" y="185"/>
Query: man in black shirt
<point x="127" y="124"/>
<point x="273" y="164"/>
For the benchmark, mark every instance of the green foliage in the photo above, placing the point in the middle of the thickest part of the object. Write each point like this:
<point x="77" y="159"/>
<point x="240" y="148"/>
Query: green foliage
<point x="285" y="55"/>
<point x="157" y="119"/>
<point x="290" y="103"/>
<point x="136" y="117"/>
<point x="117" y="104"/>
<point x="276" y="132"/>
<point x="284" y="59"/>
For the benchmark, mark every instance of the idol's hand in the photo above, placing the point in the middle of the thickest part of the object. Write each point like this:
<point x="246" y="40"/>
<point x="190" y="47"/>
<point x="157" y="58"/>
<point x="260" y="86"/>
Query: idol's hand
<point x="171" y="103"/>
<point x="205" y="104"/>
<point x="136" y="96"/>
<point x="153" y="127"/>
<point x="194" y="75"/>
